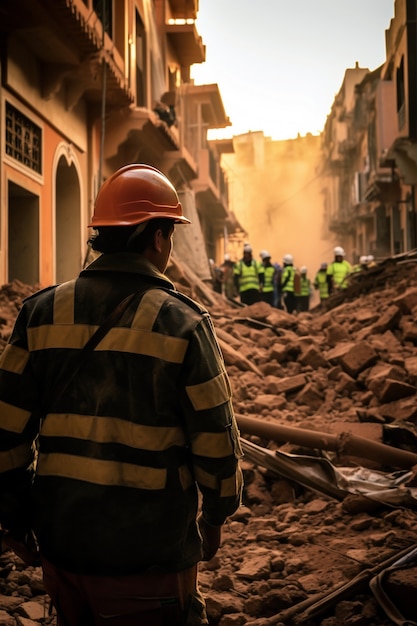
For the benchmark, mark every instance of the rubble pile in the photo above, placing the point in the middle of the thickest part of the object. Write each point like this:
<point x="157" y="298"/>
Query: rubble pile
<point x="294" y="555"/>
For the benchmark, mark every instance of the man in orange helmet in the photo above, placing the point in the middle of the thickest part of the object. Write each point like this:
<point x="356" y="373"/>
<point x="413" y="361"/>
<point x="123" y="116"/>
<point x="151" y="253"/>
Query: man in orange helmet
<point x="119" y="380"/>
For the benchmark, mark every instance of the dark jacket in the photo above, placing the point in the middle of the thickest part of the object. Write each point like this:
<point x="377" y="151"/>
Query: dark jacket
<point x="146" y="419"/>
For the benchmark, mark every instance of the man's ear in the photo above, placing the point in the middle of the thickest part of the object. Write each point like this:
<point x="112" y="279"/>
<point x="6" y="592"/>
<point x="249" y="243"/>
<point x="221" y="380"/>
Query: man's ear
<point x="157" y="240"/>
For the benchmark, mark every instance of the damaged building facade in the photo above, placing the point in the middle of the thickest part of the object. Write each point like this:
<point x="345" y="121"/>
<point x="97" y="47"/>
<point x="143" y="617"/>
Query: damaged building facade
<point x="369" y="168"/>
<point x="88" y="86"/>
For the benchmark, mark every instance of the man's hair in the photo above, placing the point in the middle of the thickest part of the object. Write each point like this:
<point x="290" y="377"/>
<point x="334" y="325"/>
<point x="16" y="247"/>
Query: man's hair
<point x="135" y="238"/>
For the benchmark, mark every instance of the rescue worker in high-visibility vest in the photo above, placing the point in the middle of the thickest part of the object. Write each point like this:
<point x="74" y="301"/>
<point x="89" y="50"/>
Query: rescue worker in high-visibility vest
<point x="121" y="456"/>
<point x="287" y="283"/>
<point x="249" y="277"/>
<point x="362" y="265"/>
<point x="304" y="291"/>
<point x="270" y="272"/>
<point x="321" y="282"/>
<point x="338" y="271"/>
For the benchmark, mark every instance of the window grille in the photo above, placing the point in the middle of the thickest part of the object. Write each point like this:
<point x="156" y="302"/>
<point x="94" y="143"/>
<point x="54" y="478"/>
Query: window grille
<point x="23" y="139"/>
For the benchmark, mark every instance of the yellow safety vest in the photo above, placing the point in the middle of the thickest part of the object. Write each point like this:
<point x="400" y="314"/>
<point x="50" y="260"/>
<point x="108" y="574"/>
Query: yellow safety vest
<point x="340" y="271"/>
<point x="289" y="270"/>
<point x="248" y="274"/>
<point x="269" y="279"/>
<point x="322" y="285"/>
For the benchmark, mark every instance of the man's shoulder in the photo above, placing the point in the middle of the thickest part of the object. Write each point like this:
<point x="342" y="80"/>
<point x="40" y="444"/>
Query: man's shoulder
<point x="39" y="294"/>
<point x="187" y="301"/>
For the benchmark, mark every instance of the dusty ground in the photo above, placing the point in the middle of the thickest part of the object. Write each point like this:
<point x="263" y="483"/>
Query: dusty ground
<point x="353" y="367"/>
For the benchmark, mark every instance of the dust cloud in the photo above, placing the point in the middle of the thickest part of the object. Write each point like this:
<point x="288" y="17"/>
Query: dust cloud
<point x="276" y="191"/>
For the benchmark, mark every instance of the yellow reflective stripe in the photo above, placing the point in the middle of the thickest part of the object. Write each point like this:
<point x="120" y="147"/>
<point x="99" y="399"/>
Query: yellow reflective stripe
<point x="231" y="486"/>
<point x="64" y="301"/>
<point x="228" y="487"/>
<point x="12" y="418"/>
<point x="214" y="445"/>
<point x="99" y="472"/>
<point x="186" y="479"/>
<point x="205" y="479"/>
<point x="63" y="336"/>
<point x="210" y="394"/>
<point x="149" y="308"/>
<point x="13" y="359"/>
<point x="21" y="456"/>
<point x="171" y="349"/>
<point x="112" y="430"/>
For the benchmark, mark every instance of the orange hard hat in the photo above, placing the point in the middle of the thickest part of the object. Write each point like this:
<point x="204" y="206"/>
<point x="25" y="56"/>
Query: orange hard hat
<point x="134" y="194"/>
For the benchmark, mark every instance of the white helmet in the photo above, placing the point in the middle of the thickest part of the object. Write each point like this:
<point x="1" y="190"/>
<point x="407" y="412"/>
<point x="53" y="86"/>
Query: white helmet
<point x="303" y="269"/>
<point x="227" y="257"/>
<point x="247" y="247"/>
<point x="288" y="258"/>
<point x="264" y="254"/>
<point x="338" y="251"/>
<point x="370" y="258"/>
<point x="363" y="260"/>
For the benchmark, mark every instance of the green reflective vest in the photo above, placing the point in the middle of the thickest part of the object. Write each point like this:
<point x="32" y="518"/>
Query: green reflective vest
<point x="305" y="285"/>
<point x="288" y="273"/>
<point x="248" y="274"/>
<point x="340" y="271"/>
<point x="269" y="279"/>
<point x="320" y="282"/>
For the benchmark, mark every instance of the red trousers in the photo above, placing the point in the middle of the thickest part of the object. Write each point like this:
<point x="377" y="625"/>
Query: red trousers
<point x="163" y="599"/>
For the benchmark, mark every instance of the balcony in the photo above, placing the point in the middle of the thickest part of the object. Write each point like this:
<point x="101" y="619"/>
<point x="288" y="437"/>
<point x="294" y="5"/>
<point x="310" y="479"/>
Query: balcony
<point x="341" y="224"/>
<point x="210" y="186"/>
<point x="138" y="135"/>
<point x="184" y="9"/>
<point x="403" y="153"/>
<point x="365" y="212"/>
<point x="186" y="42"/>
<point x="68" y="45"/>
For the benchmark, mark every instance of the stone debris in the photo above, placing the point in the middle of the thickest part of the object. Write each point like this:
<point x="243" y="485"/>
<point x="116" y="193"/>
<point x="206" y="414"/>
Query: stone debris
<point x="349" y="366"/>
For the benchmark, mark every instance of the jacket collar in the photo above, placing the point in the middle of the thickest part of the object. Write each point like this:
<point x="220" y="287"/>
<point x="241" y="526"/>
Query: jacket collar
<point x="127" y="262"/>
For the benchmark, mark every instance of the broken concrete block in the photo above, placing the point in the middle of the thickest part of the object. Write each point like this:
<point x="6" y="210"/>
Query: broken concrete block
<point x="291" y="383"/>
<point x="387" y="321"/>
<point x="358" y="358"/>
<point x="389" y="390"/>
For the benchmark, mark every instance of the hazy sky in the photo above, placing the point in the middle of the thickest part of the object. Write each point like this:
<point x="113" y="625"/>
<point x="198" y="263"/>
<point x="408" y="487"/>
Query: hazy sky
<point x="279" y="63"/>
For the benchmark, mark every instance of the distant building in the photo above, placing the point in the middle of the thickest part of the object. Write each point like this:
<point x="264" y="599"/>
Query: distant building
<point x="370" y="149"/>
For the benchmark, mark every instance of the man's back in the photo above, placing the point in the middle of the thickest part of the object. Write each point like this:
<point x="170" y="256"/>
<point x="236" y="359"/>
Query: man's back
<point x="120" y="432"/>
<point x="124" y="420"/>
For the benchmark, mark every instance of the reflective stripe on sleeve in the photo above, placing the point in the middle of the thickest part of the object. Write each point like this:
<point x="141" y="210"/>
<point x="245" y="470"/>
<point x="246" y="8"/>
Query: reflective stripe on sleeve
<point x="186" y="479"/>
<point x="213" y="445"/>
<point x="112" y="430"/>
<point x="14" y="359"/>
<point x="21" y="456"/>
<point x="13" y="418"/>
<point x="205" y="479"/>
<point x="210" y="394"/>
<point x="228" y="487"/>
<point x="99" y="472"/>
<point x="231" y="486"/>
